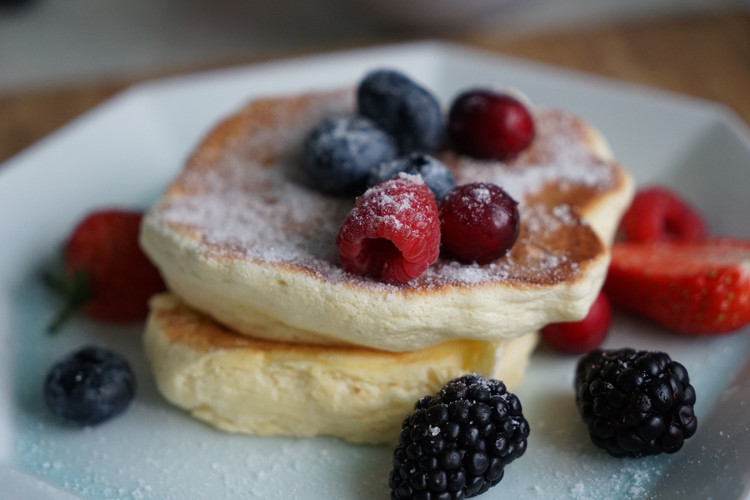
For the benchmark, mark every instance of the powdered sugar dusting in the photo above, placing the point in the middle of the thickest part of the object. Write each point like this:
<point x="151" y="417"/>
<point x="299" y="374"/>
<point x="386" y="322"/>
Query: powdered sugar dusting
<point x="252" y="203"/>
<point x="416" y="178"/>
<point x="384" y="204"/>
<point x="263" y="225"/>
<point x="559" y="155"/>
<point x="483" y="195"/>
<point x="473" y="273"/>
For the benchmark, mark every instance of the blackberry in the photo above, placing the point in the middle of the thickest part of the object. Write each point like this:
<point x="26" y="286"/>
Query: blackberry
<point x="635" y="403"/>
<point x="89" y="386"/>
<point x="435" y="173"/>
<point x="404" y="109"/>
<point x="457" y="443"/>
<point x="340" y="152"/>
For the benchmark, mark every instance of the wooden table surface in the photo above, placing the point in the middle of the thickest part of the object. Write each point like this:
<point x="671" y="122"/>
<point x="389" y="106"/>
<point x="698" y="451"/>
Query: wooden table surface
<point x="706" y="55"/>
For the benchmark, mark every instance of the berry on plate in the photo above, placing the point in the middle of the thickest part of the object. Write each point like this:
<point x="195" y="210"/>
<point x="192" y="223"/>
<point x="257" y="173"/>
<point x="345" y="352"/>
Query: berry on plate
<point x="489" y="124"/>
<point x="479" y="222"/>
<point x="106" y="274"/>
<point x="578" y="337"/>
<point x="438" y="177"/>
<point x="658" y="214"/>
<point x="635" y="403"/>
<point x="89" y="386"/>
<point x="692" y="287"/>
<point x="403" y="108"/>
<point x="457" y="443"/>
<point x="393" y="232"/>
<point x="340" y="152"/>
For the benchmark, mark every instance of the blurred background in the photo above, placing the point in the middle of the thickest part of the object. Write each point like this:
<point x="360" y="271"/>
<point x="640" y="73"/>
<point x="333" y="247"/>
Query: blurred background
<point x="61" y="57"/>
<point x="48" y="42"/>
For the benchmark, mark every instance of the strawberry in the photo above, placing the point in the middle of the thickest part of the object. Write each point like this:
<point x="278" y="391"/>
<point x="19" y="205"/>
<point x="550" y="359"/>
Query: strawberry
<point x="393" y="232"/>
<point x="692" y="287"/>
<point x="105" y="273"/>
<point x="658" y="214"/>
<point x="577" y="337"/>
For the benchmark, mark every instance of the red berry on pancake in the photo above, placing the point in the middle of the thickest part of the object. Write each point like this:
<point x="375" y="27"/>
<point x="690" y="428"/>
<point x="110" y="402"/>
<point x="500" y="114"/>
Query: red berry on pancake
<point x="480" y="222"/>
<point x="488" y="124"/>
<point x="393" y="232"/>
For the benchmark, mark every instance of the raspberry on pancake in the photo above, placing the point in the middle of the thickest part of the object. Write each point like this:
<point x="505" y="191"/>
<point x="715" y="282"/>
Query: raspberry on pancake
<point x="393" y="232"/>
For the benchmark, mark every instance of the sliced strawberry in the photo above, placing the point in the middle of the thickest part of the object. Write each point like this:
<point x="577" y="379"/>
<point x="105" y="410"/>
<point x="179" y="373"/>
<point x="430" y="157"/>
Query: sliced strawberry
<point x="692" y="287"/>
<point x="392" y="233"/>
<point x="106" y="274"/>
<point x="658" y="214"/>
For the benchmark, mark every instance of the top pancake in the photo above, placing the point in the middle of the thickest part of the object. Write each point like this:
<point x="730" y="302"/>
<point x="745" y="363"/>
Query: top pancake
<point x="240" y="237"/>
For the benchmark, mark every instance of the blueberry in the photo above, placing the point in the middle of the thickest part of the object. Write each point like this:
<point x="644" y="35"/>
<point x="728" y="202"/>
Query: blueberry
<point x="340" y="152"/>
<point x="404" y="109"/>
<point x="89" y="386"/>
<point x="435" y="173"/>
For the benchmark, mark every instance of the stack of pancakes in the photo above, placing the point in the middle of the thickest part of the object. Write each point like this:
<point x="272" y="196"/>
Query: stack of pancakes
<point x="264" y="333"/>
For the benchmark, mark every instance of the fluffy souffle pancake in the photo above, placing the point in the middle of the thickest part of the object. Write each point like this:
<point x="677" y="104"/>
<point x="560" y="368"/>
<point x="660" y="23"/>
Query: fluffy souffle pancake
<point x="240" y="384"/>
<point x="241" y="238"/>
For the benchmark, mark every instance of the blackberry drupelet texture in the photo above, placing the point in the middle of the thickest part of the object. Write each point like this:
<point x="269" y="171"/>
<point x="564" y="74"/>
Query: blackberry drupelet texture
<point x="635" y="403"/>
<point x="457" y="443"/>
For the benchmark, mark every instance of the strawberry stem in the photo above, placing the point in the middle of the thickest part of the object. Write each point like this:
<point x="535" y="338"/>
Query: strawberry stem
<point x="76" y="291"/>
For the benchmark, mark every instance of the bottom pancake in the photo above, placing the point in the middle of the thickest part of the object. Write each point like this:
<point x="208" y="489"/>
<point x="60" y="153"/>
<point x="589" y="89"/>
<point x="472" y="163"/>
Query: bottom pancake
<point x="240" y="384"/>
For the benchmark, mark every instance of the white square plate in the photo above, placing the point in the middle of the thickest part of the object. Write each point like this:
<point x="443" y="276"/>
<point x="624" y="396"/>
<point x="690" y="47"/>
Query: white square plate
<point x="124" y="153"/>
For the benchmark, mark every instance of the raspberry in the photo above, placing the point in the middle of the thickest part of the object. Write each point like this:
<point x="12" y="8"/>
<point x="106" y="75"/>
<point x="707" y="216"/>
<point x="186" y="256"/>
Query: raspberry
<point x="490" y="125"/>
<point x="457" y="443"/>
<point x="404" y="109"/>
<point x="577" y="337"/>
<point x="89" y="386"/>
<point x="392" y="233"/>
<point x="435" y="173"/>
<point x="340" y="152"/>
<point x="635" y="403"/>
<point x="479" y="222"/>
<point x="658" y="214"/>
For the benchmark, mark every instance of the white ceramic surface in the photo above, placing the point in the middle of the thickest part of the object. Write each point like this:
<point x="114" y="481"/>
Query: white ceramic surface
<point x="124" y="153"/>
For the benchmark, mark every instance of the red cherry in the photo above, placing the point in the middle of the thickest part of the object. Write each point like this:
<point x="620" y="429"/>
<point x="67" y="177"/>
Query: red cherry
<point x="577" y="337"/>
<point x="479" y="222"/>
<point x="490" y="125"/>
